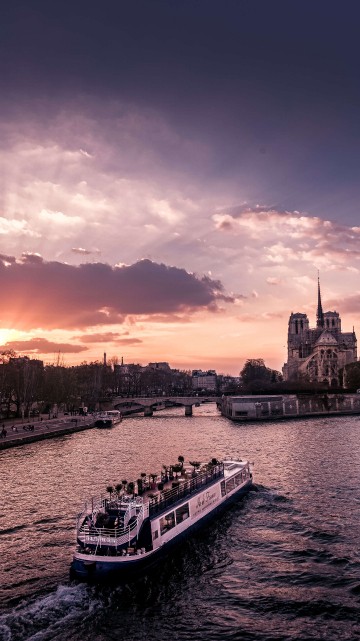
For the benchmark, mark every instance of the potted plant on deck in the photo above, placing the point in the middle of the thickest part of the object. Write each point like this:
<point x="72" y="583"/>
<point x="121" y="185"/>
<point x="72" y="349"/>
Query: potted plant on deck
<point x="110" y="489"/>
<point x="153" y="479"/>
<point x="130" y="488"/>
<point x="140" y="486"/>
<point x="195" y="465"/>
<point x="177" y="470"/>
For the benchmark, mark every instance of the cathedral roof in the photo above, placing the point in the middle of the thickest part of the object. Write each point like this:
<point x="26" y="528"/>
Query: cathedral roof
<point x="326" y="338"/>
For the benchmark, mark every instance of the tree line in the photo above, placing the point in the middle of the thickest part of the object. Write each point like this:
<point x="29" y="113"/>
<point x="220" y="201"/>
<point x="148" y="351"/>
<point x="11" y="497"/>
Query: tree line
<point x="28" y="386"/>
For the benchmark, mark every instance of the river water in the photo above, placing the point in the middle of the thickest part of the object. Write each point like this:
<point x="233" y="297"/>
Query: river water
<point x="283" y="563"/>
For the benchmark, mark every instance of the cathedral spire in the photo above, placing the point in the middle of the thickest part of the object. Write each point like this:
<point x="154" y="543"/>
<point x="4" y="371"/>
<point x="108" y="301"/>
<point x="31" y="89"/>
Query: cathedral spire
<point x="319" y="311"/>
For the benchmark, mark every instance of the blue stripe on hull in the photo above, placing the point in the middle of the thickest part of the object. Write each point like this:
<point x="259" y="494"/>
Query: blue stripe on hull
<point x="93" y="570"/>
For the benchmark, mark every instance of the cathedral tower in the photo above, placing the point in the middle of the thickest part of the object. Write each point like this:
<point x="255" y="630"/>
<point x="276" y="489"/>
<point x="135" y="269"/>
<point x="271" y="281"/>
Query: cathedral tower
<point x="319" y="354"/>
<point x="319" y="311"/>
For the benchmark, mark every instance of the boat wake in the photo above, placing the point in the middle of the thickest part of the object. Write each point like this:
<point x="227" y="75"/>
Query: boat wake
<point x="48" y="617"/>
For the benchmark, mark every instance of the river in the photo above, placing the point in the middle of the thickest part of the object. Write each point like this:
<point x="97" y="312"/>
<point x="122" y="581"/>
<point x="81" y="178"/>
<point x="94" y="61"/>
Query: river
<point x="281" y="564"/>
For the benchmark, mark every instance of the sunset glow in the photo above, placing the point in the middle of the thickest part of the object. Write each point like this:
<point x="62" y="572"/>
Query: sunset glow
<point x="176" y="216"/>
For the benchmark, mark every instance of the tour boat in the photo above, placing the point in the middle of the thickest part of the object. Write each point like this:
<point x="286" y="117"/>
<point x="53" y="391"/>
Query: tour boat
<point x="108" y="419"/>
<point x="124" y="534"/>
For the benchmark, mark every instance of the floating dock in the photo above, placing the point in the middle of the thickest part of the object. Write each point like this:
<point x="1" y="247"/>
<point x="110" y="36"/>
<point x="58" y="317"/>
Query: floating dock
<point x="270" y="407"/>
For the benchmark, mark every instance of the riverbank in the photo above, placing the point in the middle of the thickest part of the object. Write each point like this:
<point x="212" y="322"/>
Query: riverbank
<point x="19" y="432"/>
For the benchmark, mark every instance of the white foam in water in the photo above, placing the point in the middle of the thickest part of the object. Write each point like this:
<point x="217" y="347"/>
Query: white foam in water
<point x="46" y="617"/>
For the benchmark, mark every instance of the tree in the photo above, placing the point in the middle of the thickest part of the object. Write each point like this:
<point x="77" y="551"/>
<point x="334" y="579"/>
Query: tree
<point x="6" y="389"/>
<point x="256" y="376"/>
<point x="352" y="376"/>
<point x="133" y="380"/>
<point x="57" y="388"/>
<point x="24" y="381"/>
<point x="255" y="370"/>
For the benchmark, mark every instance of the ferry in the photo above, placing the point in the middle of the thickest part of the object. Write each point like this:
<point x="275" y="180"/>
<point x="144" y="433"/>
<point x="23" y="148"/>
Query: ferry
<point x="108" y="419"/>
<point x="123" y="535"/>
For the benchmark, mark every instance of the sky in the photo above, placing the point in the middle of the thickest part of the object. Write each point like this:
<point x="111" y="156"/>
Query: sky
<point x="174" y="174"/>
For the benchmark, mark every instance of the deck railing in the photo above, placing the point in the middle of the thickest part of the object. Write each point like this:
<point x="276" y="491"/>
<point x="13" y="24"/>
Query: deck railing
<point x="89" y="534"/>
<point x="185" y="488"/>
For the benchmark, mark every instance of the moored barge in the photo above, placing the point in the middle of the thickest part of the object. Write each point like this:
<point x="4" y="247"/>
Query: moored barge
<point x="108" y="419"/>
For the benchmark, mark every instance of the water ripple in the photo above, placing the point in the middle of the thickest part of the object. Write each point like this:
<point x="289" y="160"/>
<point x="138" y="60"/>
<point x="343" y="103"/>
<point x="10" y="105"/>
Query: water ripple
<point x="280" y="565"/>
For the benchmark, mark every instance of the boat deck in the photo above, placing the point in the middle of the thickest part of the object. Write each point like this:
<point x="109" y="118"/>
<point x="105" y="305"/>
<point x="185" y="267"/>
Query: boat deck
<point x="176" y="490"/>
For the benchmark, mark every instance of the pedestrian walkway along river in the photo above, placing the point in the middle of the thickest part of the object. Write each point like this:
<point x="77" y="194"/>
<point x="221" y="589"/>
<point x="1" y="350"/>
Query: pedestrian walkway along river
<point x="281" y="564"/>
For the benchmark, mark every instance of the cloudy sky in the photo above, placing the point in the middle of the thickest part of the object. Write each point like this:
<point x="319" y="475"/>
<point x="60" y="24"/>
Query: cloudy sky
<point x="173" y="176"/>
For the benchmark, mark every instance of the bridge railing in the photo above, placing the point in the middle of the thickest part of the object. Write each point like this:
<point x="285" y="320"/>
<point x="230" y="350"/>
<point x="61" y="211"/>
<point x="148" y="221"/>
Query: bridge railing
<point x="145" y="401"/>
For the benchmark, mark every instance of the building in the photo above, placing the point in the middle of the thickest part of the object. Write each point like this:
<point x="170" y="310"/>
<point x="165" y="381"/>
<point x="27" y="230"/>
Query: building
<point x="270" y="407"/>
<point x="163" y="366"/>
<point x="204" y="380"/>
<point x="318" y="354"/>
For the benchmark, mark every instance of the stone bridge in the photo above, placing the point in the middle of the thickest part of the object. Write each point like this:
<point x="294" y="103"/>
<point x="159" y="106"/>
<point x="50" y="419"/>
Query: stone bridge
<point x="148" y="404"/>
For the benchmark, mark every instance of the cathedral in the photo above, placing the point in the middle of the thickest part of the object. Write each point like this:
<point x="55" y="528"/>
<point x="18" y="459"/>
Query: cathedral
<point x="318" y="354"/>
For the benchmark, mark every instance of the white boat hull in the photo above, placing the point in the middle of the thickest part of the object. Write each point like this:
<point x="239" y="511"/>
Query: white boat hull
<point x="196" y="509"/>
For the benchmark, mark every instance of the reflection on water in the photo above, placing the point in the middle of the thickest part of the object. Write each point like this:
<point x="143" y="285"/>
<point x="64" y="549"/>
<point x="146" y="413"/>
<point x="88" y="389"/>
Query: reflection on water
<point x="281" y="564"/>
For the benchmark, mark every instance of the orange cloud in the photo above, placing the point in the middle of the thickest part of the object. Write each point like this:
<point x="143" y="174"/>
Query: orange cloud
<point x="53" y="295"/>
<point x="42" y="346"/>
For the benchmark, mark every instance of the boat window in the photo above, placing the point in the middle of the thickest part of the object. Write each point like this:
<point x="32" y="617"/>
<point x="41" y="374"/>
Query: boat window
<point x="167" y="522"/>
<point x="182" y="513"/>
<point x="238" y="479"/>
<point x="230" y="484"/>
<point x="222" y="485"/>
<point x="156" y="535"/>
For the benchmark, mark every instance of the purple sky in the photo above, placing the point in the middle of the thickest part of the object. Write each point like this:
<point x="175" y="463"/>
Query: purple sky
<point x="173" y="175"/>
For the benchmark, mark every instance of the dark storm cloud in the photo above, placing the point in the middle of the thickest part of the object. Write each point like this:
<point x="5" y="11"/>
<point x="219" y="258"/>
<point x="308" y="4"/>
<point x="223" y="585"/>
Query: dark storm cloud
<point x="43" y="346"/>
<point x="109" y="337"/>
<point x="118" y="44"/>
<point x="56" y="295"/>
<point x="271" y="86"/>
<point x="7" y="259"/>
<point x="28" y="258"/>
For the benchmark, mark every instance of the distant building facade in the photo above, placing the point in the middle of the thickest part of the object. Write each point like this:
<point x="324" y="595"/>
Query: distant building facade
<point x="162" y="365"/>
<point x="320" y="353"/>
<point x="24" y="363"/>
<point x="204" y="380"/>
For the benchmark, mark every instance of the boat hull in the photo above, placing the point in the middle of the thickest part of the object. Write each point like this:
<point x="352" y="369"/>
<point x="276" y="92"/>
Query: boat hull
<point x="98" y="568"/>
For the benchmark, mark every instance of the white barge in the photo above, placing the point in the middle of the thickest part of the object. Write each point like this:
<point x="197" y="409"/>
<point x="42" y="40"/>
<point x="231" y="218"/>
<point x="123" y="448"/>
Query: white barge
<point x="123" y="536"/>
<point x="108" y="419"/>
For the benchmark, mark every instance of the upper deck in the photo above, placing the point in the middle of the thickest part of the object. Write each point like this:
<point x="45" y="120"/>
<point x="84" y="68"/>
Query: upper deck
<point x="124" y="515"/>
<point x="232" y="467"/>
<point x="161" y="501"/>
